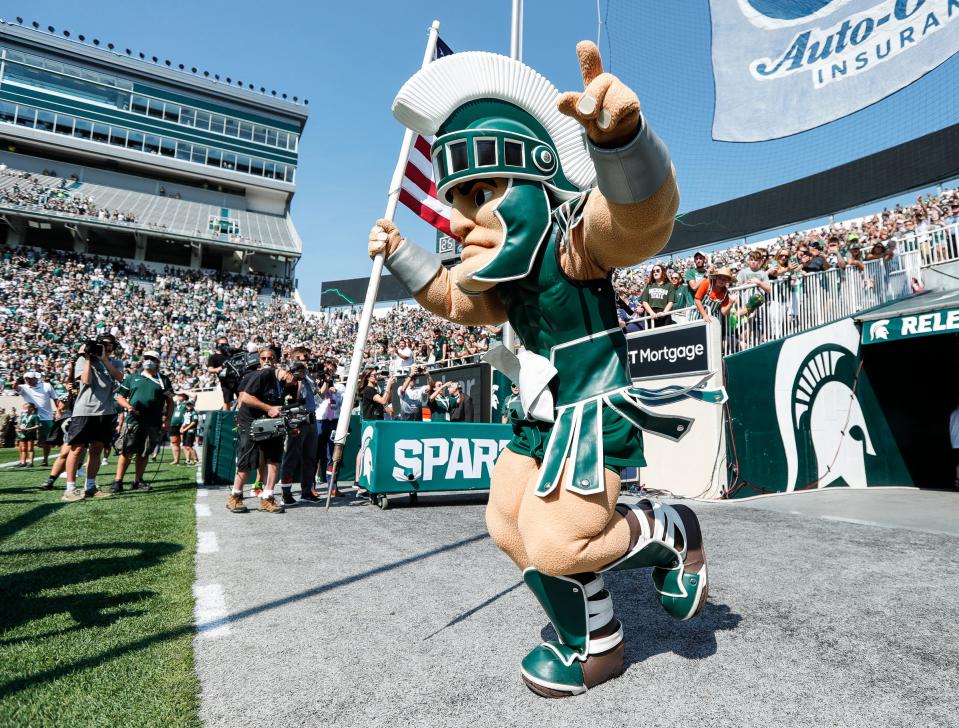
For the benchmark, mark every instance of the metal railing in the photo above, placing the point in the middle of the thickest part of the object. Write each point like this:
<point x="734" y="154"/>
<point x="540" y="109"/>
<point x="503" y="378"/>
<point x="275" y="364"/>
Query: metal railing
<point x="936" y="246"/>
<point x="802" y="301"/>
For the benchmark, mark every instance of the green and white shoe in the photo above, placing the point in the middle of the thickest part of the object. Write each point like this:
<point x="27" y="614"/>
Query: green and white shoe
<point x="589" y="650"/>
<point x="669" y="539"/>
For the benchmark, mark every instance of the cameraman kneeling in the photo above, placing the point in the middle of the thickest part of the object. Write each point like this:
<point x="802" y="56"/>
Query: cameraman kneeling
<point x="259" y="396"/>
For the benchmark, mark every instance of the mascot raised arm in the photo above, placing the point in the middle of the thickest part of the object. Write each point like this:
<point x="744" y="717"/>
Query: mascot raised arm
<point x="545" y="212"/>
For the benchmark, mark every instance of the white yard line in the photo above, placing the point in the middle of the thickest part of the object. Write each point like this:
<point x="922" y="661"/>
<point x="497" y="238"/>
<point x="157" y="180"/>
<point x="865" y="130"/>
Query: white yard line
<point x="210" y="614"/>
<point x="202" y="510"/>
<point x="206" y="542"/>
<point x="202" y="492"/>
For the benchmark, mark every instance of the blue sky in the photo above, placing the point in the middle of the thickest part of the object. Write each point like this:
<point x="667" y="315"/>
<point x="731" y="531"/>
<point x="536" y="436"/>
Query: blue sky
<point x="350" y="58"/>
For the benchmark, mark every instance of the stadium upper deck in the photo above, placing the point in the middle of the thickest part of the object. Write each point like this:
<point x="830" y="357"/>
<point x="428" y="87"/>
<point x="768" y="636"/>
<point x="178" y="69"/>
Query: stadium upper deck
<point x="134" y="156"/>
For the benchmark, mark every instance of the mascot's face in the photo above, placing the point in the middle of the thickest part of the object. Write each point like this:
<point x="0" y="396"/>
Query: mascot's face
<point x="475" y="222"/>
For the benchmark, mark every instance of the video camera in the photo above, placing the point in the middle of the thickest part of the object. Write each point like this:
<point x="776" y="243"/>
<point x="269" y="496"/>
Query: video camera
<point x="236" y="366"/>
<point x="92" y="348"/>
<point x="292" y="417"/>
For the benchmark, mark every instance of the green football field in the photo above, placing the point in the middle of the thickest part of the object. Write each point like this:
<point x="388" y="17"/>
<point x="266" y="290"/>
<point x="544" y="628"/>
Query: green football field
<point x="97" y="619"/>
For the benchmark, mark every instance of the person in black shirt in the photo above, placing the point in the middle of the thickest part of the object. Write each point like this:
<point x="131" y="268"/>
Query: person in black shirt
<point x="372" y="403"/>
<point x="214" y="365"/>
<point x="462" y="409"/>
<point x="259" y="396"/>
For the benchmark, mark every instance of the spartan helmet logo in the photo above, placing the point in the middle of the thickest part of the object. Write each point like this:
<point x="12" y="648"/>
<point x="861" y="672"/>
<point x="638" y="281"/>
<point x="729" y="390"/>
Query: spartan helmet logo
<point x="816" y="405"/>
<point x="879" y="329"/>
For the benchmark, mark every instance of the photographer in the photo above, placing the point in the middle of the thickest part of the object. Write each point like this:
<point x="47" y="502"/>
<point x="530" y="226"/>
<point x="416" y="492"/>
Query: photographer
<point x="414" y="396"/>
<point x="372" y="402"/>
<point x="259" y="395"/>
<point x="327" y="417"/>
<point x="94" y="413"/>
<point x="214" y="365"/>
<point x="440" y="402"/>
<point x="301" y="444"/>
<point x="147" y="401"/>
<point x="462" y="408"/>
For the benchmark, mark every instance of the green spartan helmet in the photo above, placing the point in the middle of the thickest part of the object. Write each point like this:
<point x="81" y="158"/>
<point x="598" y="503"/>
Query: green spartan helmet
<point x="490" y="138"/>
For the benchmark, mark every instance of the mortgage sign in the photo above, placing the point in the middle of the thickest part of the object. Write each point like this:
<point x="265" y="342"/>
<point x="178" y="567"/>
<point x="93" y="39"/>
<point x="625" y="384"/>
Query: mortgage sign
<point x="671" y="351"/>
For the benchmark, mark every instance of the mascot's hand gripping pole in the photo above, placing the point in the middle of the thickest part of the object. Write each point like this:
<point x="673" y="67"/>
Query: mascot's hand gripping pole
<point x="363" y="330"/>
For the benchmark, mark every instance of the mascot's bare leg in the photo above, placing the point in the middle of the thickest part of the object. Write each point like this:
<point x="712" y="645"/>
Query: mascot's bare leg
<point x="511" y="476"/>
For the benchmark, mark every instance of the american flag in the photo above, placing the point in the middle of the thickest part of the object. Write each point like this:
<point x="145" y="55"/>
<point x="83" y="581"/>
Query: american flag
<point x="418" y="188"/>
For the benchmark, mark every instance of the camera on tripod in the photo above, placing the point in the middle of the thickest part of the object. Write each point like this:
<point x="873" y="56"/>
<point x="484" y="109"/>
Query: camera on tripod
<point x="292" y="417"/>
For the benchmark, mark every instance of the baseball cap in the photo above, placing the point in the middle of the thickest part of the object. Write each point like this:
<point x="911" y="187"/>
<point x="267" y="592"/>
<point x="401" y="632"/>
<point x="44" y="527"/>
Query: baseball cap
<point x="297" y="366"/>
<point x="699" y="254"/>
<point x="151" y="355"/>
<point x="31" y="375"/>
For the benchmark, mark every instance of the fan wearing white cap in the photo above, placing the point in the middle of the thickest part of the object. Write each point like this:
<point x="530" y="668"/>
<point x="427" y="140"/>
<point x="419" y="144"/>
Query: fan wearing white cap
<point x="549" y="193"/>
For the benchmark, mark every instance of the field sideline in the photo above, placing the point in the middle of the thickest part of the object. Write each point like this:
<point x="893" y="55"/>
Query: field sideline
<point x="98" y="607"/>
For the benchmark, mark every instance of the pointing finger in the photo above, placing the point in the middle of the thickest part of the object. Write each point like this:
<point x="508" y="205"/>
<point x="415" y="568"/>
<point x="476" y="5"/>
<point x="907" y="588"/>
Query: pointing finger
<point x="590" y="62"/>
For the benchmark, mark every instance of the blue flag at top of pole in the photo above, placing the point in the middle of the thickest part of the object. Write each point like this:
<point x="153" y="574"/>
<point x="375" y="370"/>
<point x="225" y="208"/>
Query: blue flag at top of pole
<point x="441" y="49"/>
<point x="785" y="66"/>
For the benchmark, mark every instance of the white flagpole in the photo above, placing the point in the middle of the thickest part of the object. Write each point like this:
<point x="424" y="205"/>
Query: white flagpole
<point x="343" y="425"/>
<point x="515" y="52"/>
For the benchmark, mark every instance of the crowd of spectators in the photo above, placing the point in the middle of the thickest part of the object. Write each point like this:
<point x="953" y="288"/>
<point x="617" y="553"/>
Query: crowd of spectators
<point x="36" y="192"/>
<point x="39" y="192"/>
<point x="50" y="302"/>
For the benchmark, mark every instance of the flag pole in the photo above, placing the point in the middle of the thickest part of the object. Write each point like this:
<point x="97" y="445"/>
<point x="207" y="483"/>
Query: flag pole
<point x="515" y="52"/>
<point x="363" y="331"/>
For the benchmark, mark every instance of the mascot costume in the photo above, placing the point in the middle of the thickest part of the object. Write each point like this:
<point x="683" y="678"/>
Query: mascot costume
<point x="545" y="212"/>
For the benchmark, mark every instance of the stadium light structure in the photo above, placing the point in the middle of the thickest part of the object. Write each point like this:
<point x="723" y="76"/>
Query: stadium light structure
<point x="66" y="34"/>
<point x="96" y="41"/>
<point x="51" y="29"/>
<point x="110" y="46"/>
<point x="81" y="38"/>
<point x="19" y="20"/>
<point x="36" y="24"/>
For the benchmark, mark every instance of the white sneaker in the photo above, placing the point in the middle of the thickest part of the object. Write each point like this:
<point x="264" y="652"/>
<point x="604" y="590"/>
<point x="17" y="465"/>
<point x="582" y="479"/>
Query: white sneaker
<point x="104" y="462"/>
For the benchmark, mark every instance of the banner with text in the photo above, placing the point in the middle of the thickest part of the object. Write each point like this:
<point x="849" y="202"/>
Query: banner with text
<point x="944" y="321"/>
<point x="670" y="351"/>
<point x="785" y="66"/>
<point x="418" y="457"/>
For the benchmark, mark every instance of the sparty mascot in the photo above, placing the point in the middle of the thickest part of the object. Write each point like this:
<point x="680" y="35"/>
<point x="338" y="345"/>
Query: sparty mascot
<point x="545" y="213"/>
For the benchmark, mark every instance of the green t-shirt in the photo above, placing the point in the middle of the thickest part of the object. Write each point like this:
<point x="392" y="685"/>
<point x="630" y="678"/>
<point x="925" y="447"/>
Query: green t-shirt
<point x="440" y="409"/>
<point x="179" y="408"/>
<point x="24" y="421"/>
<point x="148" y="396"/>
<point x="438" y="347"/>
<point x="657" y="295"/>
<point x="692" y="274"/>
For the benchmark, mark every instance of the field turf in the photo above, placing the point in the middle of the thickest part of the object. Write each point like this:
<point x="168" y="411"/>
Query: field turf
<point x="97" y="609"/>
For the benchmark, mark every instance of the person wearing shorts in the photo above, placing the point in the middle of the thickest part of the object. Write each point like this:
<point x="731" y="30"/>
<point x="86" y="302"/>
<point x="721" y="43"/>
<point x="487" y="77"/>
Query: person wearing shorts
<point x="188" y="428"/>
<point x="91" y="423"/>
<point x="179" y="407"/>
<point x="259" y="396"/>
<point x="147" y="401"/>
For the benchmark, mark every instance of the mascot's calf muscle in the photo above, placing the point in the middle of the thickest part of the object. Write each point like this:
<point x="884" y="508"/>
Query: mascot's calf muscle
<point x="545" y="212"/>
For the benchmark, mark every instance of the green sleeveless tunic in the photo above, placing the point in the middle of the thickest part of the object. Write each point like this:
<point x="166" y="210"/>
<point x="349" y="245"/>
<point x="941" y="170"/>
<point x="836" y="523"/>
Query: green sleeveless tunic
<point x="598" y="414"/>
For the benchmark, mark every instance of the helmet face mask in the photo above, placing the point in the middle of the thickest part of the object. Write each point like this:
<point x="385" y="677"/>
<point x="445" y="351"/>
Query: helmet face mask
<point x="496" y="120"/>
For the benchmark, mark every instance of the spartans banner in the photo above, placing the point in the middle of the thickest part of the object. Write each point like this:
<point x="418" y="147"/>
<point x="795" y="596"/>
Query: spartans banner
<point x="408" y="457"/>
<point x="785" y="66"/>
<point x="803" y="415"/>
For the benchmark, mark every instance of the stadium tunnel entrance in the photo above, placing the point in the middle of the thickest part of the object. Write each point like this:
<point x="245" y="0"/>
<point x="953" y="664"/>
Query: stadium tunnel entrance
<point x="911" y="355"/>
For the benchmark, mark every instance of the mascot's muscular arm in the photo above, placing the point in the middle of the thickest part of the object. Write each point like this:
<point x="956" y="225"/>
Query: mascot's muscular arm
<point x="630" y="217"/>
<point x="431" y="284"/>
